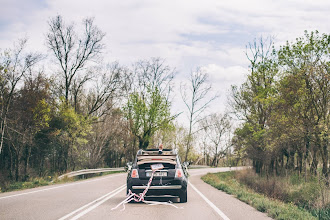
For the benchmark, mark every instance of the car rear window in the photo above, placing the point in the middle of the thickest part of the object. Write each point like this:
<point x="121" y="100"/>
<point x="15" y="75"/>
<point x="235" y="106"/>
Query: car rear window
<point x="142" y="159"/>
<point x="147" y="166"/>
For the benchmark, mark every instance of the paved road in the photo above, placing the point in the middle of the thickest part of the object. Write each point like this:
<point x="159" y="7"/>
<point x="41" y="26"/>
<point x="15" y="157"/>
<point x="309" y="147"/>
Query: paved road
<point x="94" y="199"/>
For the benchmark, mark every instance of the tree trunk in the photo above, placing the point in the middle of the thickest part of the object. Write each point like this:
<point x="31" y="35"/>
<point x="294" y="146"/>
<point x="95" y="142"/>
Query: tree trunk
<point x="189" y="134"/>
<point x="300" y="161"/>
<point x="314" y="164"/>
<point x="3" y="125"/>
<point x="188" y="148"/>
<point x="258" y="166"/>
<point x="17" y="166"/>
<point x="325" y="159"/>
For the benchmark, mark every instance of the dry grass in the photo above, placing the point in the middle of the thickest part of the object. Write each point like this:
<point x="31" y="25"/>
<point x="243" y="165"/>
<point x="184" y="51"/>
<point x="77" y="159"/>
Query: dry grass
<point x="274" y="208"/>
<point x="310" y="194"/>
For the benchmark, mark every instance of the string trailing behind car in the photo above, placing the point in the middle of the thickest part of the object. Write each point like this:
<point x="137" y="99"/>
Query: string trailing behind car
<point x="171" y="180"/>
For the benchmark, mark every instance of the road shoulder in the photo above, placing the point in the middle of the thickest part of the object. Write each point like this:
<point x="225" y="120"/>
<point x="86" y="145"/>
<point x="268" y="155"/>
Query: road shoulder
<point x="232" y="207"/>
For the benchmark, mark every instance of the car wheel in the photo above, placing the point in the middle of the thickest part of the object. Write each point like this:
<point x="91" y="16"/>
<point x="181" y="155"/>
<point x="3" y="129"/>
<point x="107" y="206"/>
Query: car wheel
<point x="183" y="196"/>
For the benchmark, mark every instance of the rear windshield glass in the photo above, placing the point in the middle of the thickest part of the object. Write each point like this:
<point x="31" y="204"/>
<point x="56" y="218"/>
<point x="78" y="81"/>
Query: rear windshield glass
<point x="147" y="166"/>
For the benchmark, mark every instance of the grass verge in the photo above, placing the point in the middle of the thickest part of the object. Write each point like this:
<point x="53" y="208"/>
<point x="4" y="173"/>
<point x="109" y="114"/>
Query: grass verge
<point x="274" y="208"/>
<point x="49" y="180"/>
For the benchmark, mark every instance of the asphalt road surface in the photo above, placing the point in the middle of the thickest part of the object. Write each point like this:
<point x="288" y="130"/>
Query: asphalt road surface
<point x="94" y="199"/>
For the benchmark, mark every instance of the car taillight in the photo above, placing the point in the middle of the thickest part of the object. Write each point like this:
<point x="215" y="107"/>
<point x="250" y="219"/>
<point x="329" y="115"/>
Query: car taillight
<point x="135" y="173"/>
<point x="178" y="173"/>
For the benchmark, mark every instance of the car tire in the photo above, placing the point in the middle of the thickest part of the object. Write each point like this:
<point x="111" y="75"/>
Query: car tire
<point x="183" y="196"/>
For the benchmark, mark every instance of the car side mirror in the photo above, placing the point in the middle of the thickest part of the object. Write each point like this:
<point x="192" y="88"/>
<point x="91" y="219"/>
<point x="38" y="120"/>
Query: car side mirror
<point x="128" y="166"/>
<point x="186" y="164"/>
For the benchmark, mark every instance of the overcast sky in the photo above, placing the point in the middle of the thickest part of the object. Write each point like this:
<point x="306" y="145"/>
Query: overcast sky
<point x="187" y="33"/>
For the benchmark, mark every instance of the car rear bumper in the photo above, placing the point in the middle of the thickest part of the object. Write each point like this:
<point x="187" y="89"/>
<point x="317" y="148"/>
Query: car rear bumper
<point x="173" y="186"/>
<point x="158" y="187"/>
<point x="160" y="192"/>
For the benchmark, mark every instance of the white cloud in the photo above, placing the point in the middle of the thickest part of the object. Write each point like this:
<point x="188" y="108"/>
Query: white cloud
<point x="187" y="33"/>
<point x="153" y="25"/>
<point x="222" y="78"/>
<point x="226" y="75"/>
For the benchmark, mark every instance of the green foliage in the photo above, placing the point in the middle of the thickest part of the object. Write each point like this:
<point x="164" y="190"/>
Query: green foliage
<point x="147" y="113"/>
<point x="285" y="106"/>
<point x="41" y="114"/>
<point x="62" y="135"/>
<point x="253" y="101"/>
<point x="70" y="130"/>
<point x="72" y="124"/>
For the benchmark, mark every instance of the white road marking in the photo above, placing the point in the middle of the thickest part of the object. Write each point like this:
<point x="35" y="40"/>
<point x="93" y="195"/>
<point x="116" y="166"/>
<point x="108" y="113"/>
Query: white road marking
<point x="56" y="187"/>
<point x="96" y="200"/>
<point x="97" y="204"/>
<point x="210" y="203"/>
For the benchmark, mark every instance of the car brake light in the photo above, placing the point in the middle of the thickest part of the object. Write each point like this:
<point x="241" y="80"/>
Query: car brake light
<point x="179" y="173"/>
<point x="135" y="173"/>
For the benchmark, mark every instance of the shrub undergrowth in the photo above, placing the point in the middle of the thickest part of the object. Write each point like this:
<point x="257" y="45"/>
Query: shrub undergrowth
<point x="280" y="197"/>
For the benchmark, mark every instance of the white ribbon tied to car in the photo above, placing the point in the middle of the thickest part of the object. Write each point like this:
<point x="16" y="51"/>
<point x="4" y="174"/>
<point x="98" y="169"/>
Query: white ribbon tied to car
<point x="140" y="198"/>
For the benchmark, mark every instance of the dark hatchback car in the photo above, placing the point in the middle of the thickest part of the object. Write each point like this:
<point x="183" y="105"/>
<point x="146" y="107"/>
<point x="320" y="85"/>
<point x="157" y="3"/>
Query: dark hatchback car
<point x="172" y="180"/>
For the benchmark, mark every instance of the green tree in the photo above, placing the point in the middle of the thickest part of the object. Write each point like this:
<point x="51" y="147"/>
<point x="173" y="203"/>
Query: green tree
<point x="308" y="59"/>
<point x="65" y="138"/>
<point x="147" y="107"/>
<point x="72" y="129"/>
<point x="285" y="106"/>
<point x="252" y="102"/>
<point x="146" y="114"/>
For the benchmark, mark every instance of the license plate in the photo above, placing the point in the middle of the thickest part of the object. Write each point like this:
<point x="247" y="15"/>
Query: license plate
<point x="148" y="174"/>
<point x="158" y="166"/>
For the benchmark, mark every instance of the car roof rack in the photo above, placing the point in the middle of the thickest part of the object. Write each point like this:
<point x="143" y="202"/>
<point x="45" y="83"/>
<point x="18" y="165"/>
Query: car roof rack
<point x="154" y="151"/>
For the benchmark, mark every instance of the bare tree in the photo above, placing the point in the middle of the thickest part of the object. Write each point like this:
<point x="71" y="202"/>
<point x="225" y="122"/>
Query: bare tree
<point x="109" y="85"/>
<point x="14" y="64"/>
<point x="195" y="97"/>
<point x="215" y="126"/>
<point x="77" y="89"/>
<point x="73" y="52"/>
<point x="152" y="74"/>
<point x="109" y="135"/>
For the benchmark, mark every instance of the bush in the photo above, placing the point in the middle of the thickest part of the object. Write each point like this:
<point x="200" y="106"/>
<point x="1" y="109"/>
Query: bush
<point x="270" y="187"/>
<point x="275" y="208"/>
<point x="293" y="189"/>
<point x="35" y="182"/>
